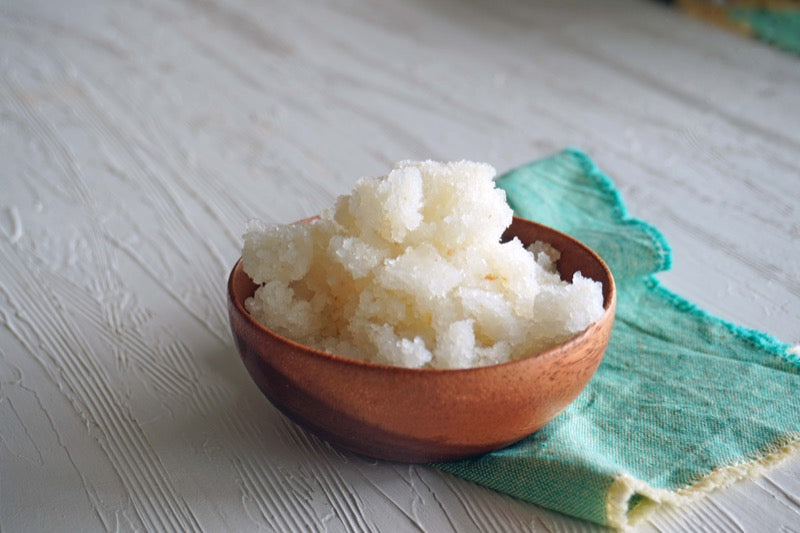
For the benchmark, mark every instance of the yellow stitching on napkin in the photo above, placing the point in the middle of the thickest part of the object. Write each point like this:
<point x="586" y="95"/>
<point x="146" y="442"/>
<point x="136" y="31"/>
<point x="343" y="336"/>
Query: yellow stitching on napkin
<point x="625" y="487"/>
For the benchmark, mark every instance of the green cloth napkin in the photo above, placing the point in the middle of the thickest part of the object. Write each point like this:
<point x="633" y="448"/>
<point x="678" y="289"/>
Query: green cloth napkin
<point x="778" y="26"/>
<point x="682" y="403"/>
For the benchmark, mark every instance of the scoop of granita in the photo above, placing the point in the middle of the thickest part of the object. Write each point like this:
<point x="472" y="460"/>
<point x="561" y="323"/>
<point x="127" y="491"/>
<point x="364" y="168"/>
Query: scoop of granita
<point x="409" y="270"/>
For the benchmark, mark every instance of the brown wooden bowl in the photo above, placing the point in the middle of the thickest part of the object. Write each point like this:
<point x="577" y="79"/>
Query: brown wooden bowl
<point x="420" y="415"/>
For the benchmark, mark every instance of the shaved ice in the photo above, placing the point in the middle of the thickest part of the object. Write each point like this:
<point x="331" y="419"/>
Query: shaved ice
<point x="408" y="270"/>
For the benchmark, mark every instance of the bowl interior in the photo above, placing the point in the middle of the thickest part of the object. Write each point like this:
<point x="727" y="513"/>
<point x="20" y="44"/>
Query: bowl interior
<point x="575" y="256"/>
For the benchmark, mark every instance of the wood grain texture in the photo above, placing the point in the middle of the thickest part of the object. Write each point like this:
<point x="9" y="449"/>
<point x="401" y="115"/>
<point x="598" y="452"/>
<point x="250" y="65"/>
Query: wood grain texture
<point x="137" y="138"/>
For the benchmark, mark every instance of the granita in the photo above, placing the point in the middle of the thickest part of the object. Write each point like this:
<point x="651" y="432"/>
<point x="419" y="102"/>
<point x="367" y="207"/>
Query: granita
<point x="409" y="270"/>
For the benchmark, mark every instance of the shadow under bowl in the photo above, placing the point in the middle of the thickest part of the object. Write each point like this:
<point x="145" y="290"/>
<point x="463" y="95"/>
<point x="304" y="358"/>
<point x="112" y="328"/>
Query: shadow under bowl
<point x="423" y="415"/>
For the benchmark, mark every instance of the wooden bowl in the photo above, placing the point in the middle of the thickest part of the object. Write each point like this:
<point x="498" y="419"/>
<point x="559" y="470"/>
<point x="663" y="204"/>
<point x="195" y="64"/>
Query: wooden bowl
<point x="420" y="415"/>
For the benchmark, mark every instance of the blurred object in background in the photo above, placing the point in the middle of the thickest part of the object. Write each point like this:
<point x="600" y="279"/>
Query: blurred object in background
<point x="776" y="22"/>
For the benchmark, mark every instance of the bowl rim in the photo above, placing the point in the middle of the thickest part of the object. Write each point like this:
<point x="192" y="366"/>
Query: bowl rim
<point x="609" y="307"/>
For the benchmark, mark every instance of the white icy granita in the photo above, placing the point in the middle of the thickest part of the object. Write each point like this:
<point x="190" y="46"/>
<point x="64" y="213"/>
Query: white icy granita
<point x="409" y="270"/>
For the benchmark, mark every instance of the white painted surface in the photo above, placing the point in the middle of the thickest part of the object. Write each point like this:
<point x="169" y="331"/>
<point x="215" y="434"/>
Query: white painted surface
<point x="138" y="136"/>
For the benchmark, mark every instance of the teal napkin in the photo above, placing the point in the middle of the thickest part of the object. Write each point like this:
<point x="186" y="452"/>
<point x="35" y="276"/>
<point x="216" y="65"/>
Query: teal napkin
<point x="682" y="403"/>
<point x="778" y="26"/>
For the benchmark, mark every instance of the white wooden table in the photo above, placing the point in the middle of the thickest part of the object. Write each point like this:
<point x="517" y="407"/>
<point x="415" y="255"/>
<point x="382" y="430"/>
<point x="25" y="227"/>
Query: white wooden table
<point x="138" y="136"/>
